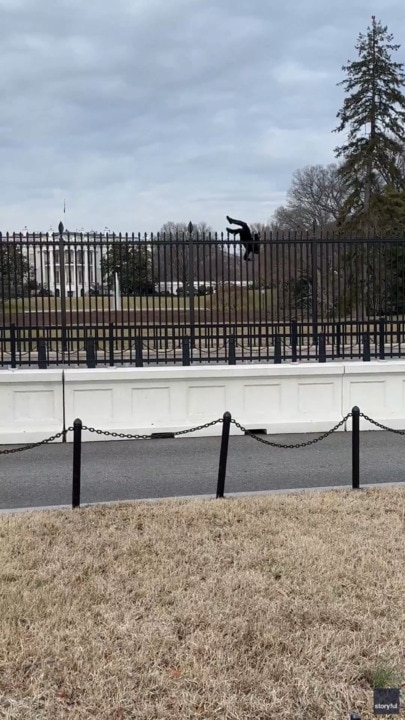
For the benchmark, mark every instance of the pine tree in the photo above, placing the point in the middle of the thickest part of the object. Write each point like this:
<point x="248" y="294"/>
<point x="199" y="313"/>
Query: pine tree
<point x="373" y="115"/>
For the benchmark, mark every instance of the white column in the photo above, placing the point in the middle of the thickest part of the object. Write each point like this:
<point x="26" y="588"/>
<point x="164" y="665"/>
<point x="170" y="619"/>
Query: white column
<point x="50" y="275"/>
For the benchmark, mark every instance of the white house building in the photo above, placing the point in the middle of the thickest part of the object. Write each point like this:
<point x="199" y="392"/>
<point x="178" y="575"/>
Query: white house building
<point x="82" y="256"/>
<point x="81" y="259"/>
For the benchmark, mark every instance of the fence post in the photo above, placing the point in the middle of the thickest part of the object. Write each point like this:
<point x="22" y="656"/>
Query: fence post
<point x="138" y="352"/>
<point x="277" y="349"/>
<point x="322" y="347"/>
<point x="185" y="344"/>
<point x="62" y="285"/>
<point x="366" y="347"/>
<point x="41" y="347"/>
<point x="91" y="352"/>
<point x="314" y="286"/>
<point x="355" y="448"/>
<point x="223" y="456"/>
<point x="338" y="339"/>
<point x="381" y="333"/>
<point x="13" y="358"/>
<point x="232" y="350"/>
<point x="190" y="279"/>
<point x="111" y="344"/>
<point x="294" y="340"/>
<point x="77" y="462"/>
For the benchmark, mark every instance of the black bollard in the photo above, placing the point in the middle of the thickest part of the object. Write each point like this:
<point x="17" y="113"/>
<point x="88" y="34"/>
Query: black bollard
<point x="277" y="349"/>
<point x="41" y="347"/>
<point x="77" y="462"/>
<point x="138" y="352"/>
<point x="338" y="339"/>
<point x="223" y="455"/>
<point x="232" y="350"/>
<point x="366" y="347"/>
<point x="355" y="448"/>
<point x="111" y="344"/>
<point x="185" y="342"/>
<point x="322" y="348"/>
<point x="13" y="348"/>
<point x="381" y="338"/>
<point x="91" y="352"/>
<point x="294" y="340"/>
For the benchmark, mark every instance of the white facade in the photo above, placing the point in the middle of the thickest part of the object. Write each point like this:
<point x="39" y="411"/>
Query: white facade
<point x="82" y="262"/>
<point x="82" y="255"/>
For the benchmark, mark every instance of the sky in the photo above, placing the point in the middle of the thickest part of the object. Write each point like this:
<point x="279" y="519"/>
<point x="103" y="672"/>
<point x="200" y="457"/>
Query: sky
<point x="138" y="112"/>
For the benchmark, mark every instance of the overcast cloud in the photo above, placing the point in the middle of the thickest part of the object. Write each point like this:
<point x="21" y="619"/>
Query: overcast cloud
<point x="143" y="111"/>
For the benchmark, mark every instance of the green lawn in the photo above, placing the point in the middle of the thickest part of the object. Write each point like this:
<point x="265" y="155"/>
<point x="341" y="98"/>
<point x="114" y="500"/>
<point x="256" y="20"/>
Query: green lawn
<point x="39" y="304"/>
<point x="224" y="301"/>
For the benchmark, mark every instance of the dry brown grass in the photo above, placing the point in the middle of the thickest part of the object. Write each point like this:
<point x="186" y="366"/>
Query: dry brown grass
<point x="255" y="609"/>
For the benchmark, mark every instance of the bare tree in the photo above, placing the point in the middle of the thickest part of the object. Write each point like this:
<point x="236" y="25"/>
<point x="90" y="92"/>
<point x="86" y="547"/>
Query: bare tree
<point x="173" y="248"/>
<point x="315" y="198"/>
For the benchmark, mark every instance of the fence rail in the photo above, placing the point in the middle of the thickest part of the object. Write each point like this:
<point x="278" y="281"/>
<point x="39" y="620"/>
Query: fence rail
<point x="70" y="298"/>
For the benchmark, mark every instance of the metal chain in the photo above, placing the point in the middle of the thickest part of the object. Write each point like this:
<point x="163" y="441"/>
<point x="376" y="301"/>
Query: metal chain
<point x="381" y="426"/>
<point x="127" y="436"/>
<point x="296" y="445"/>
<point x="11" y="451"/>
<point x="122" y="436"/>
<point x="200" y="427"/>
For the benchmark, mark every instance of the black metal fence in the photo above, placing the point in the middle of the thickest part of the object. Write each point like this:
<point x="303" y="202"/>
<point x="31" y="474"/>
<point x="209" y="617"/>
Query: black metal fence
<point x="74" y="299"/>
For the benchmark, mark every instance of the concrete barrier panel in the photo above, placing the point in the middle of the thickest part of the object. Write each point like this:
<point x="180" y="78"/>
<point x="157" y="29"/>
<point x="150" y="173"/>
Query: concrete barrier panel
<point x="31" y="405"/>
<point x="378" y="389"/>
<point x="275" y="398"/>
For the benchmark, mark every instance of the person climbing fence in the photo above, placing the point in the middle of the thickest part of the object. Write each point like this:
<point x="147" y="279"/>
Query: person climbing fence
<point x="250" y="242"/>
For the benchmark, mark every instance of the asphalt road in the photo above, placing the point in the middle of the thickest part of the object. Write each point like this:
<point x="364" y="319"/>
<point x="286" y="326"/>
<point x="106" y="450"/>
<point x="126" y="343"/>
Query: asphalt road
<point x="128" y="470"/>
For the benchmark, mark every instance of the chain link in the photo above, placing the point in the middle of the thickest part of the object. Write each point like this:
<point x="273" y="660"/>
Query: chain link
<point x="128" y="436"/>
<point x="11" y="451"/>
<point x="122" y="436"/>
<point x="381" y="426"/>
<point x="199" y="427"/>
<point x="295" y="445"/>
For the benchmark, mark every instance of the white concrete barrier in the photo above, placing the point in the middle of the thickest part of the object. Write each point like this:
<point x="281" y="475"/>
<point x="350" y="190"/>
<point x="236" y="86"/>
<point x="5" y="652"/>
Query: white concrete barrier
<point x="276" y="398"/>
<point x="289" y="398"/>
<point x="31" y="405"/>
<point x="378" y="389"/>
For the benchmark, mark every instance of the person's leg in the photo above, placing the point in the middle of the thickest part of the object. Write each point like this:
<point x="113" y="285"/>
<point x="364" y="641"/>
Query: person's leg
<point x="232" y="231"/>
<point x="241" y="223"/>
<point x="248" y="251"/>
